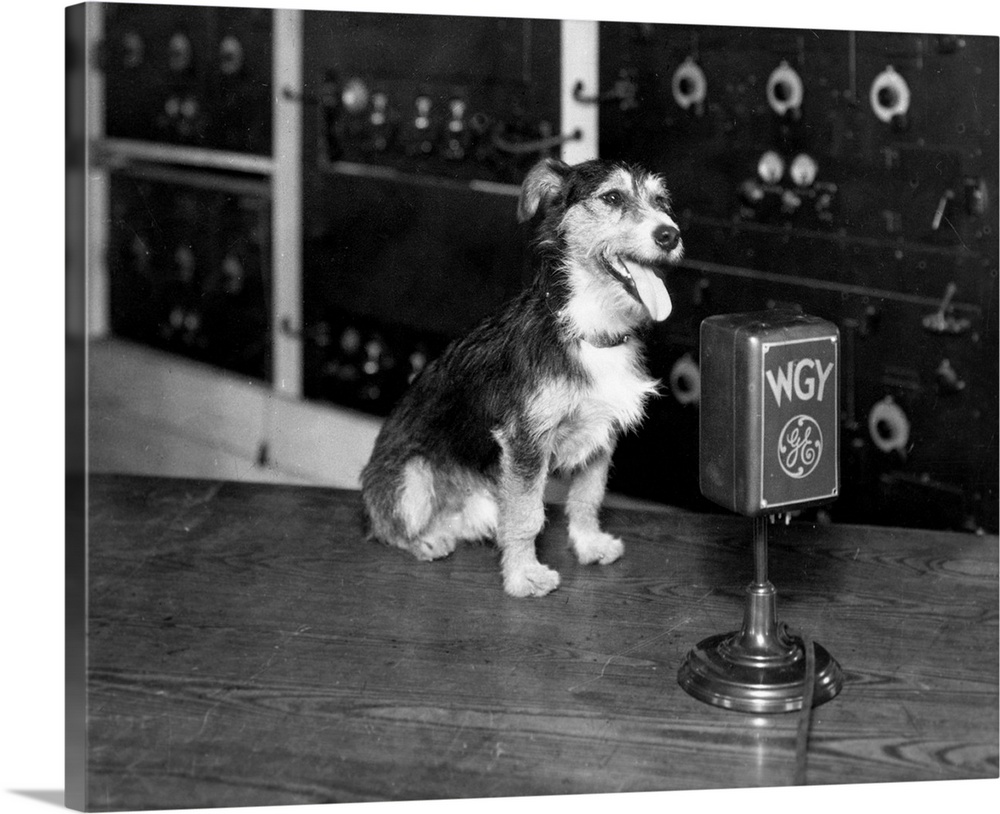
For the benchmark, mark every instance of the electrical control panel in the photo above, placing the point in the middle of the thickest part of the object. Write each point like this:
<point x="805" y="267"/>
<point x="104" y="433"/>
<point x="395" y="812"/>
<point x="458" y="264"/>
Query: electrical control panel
<point x="187" y="75"/>
<point x="849" y="176"/>
<point x="417" y="132"/>
<point x="189" y="266"/>
<point x="462" y="98"/>
<point x="189" y="246"/>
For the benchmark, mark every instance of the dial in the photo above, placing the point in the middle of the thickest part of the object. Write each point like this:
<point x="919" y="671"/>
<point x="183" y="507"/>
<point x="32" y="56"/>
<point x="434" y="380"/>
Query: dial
<point x="803" y="170"/>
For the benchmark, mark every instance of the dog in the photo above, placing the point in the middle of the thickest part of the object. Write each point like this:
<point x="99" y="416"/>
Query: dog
<point x="546" y="385"/>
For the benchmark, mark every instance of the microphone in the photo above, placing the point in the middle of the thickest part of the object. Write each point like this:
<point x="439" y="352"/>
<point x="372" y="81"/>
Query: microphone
<point x="768" y="445"/>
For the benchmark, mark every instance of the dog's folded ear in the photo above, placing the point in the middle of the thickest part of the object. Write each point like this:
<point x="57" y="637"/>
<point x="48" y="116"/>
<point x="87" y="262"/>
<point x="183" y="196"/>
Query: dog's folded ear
<point x="542" y="183"/>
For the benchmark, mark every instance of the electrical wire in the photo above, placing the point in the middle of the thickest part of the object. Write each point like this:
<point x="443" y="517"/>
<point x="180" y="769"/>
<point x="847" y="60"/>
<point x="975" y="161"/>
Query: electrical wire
<point x="805" y="715"/>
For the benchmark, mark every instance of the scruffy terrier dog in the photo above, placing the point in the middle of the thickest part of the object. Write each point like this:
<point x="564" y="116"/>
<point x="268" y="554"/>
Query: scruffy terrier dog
<point x="546" y="385"/>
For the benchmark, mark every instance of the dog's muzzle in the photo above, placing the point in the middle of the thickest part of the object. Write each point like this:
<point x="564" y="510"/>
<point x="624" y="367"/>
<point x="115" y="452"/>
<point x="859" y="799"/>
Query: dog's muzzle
<point x="643" y="283"/>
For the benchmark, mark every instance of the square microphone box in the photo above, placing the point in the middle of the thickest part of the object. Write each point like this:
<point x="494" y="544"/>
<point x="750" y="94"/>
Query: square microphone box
<point x="768" y="432"/>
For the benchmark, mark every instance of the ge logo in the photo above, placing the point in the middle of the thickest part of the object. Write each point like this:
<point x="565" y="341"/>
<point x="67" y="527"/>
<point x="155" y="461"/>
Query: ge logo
<point x="800" y="446"/>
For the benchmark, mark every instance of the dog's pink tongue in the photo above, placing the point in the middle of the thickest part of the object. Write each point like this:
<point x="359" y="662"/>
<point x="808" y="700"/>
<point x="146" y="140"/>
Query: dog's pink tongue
<point x="651" y="291"/>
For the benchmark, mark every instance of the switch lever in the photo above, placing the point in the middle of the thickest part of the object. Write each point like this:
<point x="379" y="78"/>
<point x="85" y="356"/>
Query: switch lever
<point x="942" y="205"/>
<point x="941" y="322"/>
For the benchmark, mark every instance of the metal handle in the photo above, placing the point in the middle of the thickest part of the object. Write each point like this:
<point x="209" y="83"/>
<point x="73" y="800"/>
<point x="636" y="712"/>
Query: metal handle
<point x="534" y="145"/>
<point x="292" y="95"/>
<point x="624" y="92"/>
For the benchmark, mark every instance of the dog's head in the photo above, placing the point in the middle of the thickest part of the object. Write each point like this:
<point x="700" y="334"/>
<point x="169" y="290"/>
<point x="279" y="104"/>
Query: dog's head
<point x="612" y="228"/>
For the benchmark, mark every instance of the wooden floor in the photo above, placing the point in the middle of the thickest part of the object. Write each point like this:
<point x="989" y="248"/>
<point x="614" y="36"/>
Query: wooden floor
<point x="248" y="647"/>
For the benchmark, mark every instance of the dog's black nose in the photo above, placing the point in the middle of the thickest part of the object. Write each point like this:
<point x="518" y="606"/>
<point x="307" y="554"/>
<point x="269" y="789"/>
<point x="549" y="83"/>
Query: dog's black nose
<point x="666" y="237"/>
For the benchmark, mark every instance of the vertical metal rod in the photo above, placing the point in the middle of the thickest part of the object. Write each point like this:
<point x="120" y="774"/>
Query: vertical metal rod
<point x="98" y="184"/>
<point x="579" y="62"/>
<point x="286" y="206"/>
<point x="760" y="551"/>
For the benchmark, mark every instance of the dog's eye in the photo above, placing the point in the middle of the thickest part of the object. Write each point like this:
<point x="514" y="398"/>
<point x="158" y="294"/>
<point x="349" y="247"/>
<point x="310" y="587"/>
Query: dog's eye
<point x="613" y="198"/>
<point x="661" y="202"/>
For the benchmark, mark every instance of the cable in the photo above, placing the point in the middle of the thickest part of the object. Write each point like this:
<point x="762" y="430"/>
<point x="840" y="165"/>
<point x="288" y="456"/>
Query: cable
<point x="805" y="715"/>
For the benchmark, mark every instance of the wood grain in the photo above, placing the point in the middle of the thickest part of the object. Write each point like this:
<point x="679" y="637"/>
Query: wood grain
<point x="248" y="647"/>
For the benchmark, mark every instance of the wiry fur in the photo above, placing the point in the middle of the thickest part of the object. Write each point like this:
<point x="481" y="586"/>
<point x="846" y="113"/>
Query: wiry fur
<point x="547" y="384"/>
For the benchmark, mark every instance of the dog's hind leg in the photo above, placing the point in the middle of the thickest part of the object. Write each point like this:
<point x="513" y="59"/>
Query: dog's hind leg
<point x="520" y="520"/>
<point x="419" y="522"/>
<point x="470" y="514"/>
<point x="586" y="493"/>
<point x="435" y="511"/>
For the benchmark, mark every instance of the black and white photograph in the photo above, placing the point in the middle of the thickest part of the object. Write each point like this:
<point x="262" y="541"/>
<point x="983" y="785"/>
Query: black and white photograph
<point x="520" y="404"/>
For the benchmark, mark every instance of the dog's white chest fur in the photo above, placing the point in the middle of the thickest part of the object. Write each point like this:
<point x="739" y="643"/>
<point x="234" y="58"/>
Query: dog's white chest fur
<point x="581" y="420"/>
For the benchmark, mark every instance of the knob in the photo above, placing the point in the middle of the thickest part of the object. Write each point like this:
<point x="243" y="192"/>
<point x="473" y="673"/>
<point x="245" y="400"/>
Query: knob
<point x="185" y="260"/>
<point x="803" y="170"/>
<point x="230" y="55"/>
<point x="134" y="50"/>
<point x="770" y="167"/>
<point x="790" y="202"/>
<point x="784" y="89"/>
<point x="689" y="86"/>
<point x="422" y="120"/>
<point x="457" y="136"/>
<point x="139" y="249"/>
<point x="189" y="108"/>
<point x="374" y="352"/>
<point x="948" y="380"/>
<point x="751" y="192"/>
<point x="350" y="341"/>
<point x="418" y="361"/>
<point x="869" y="321"/>
<point x="381" y="124"/>
<point x="179" y="52"/>
<point x="176" y="318"/>
<point x="456" y="115"/>
<point x="701" y="292"/>
<point x="685" y="380"/>
<point x="354" y="95"/>
<point x="976" y="196"/>
<point x="320" y="334"/>
<point x="233" y="275"/>
<point x="420" y="140"/>
<point x="888" y="426"/>
<point x="889" y="95"/>
<point x="380" y="110"/>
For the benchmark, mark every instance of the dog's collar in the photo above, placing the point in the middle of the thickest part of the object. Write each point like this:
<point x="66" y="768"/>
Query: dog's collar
<point x="606" y="340"/>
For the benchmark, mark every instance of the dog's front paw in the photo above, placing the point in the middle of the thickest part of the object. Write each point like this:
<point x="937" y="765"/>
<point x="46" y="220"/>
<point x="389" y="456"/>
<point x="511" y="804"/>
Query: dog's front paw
<point x="534" y="579"/>
<point x="597" y="547"/>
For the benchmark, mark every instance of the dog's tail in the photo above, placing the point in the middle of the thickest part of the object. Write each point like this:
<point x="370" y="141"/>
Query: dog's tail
<point x="426" y="511"/>
<point x="400" y="501"/>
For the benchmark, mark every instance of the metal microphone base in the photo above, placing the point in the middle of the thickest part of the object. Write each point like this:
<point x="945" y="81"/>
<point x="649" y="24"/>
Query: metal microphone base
<point x="762" y="667"/>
